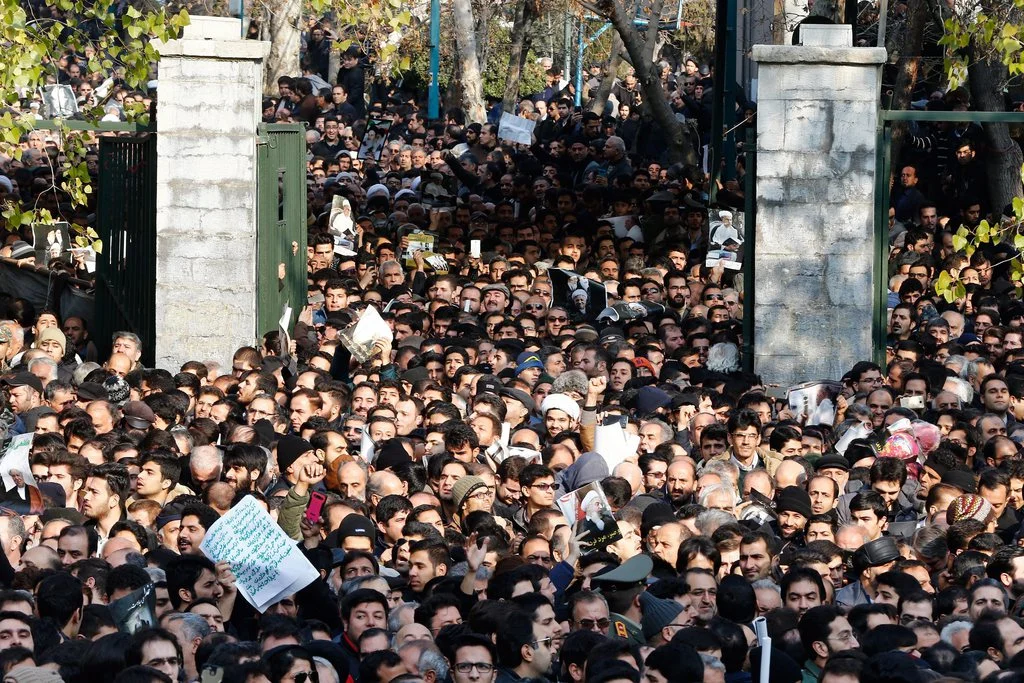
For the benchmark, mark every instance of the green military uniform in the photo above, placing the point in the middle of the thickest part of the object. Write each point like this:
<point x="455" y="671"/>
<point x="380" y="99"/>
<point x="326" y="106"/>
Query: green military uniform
<point x="630" y="575"/>
<point x="626" y="629"/>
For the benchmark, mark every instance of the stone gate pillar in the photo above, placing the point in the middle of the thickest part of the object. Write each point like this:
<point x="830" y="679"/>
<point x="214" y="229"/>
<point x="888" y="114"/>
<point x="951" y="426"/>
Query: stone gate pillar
<point x="209" y="105"/>
<point x="816" y="115"/>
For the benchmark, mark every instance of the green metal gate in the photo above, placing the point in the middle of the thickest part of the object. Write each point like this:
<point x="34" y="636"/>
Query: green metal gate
<point x="281" y="223"/>
<point x="126" y="222"/>
<point x="883" y="168"/>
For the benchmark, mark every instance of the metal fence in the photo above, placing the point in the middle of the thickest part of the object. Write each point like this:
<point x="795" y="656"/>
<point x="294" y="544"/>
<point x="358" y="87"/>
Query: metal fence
<point x="281" y="222"/>
<point x="883" y="167"/>
<point x="126" y="222"/>
<point x="749" y="234"/>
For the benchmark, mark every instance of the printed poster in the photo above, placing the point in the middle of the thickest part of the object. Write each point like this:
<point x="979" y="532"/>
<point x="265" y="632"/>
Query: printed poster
<point x="591" y="516"/>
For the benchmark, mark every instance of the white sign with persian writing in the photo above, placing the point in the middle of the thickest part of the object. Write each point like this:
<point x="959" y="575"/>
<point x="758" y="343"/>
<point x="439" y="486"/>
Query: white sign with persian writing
<point x="516" y="129"/>
<point x="267" y="564"/>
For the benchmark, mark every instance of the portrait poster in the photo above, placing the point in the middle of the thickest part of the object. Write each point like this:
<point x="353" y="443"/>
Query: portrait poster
<point x="725" y="239"/>
<point x="814" y="403"/>
<point x="135" y="611"/>
<point x="51" y="241"/>
<point x="375" y="137"/>
<point x="590" y="515"/>
<point x="584" y="299"/>
<point x="341" y="225"/>
<point x="16" y="459"/>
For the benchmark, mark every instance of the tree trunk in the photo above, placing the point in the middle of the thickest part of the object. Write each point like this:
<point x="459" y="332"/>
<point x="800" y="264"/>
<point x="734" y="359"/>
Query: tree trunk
<point x="906" y="78"/>
<point x="481" y="20"/>
<point x="281" y="27"/>
<point x="679" y="147"/>
<point x="1004" y="158"/>
<point x="521" y="26"/>
<point x="469" y="72"/>
<point x="611" y="68"/>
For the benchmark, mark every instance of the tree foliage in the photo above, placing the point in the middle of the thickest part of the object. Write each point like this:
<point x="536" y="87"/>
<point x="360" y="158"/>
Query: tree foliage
<point x="116" y="43"/>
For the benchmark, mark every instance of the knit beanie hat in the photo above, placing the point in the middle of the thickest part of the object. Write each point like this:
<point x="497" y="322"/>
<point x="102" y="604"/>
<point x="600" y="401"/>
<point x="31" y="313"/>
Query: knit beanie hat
<point x="968" y="506"/>
<point x="289" y="448"/>
<point x="32" y="674"/>
<point x="52" y="334"/>
<point x="794" y="499"/>
<point x="118" y="391"/>
<point x="657" y="613"/>
<point x="463" y="488"/>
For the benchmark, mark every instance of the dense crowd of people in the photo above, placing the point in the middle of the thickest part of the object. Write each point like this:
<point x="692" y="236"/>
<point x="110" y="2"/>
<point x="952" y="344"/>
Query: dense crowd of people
<point x="425" y="477"/>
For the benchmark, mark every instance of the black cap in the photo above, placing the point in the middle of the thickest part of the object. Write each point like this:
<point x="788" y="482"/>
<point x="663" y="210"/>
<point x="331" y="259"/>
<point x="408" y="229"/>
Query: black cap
<point x="656" y="515"/>
<point x="794" y="499"/>
<point x="92" y="391"/>
<point x="489" y="384"/>
<point x="518" y="395"/>
<point x="832" y="461"/>
<point x="875" y="554"/>
<point x="630" y="574"/>
<point x="961" y="479"/>
<point x="25" y="379"/>
<point x="415" y="374"/>
<point x="357" y="525"/>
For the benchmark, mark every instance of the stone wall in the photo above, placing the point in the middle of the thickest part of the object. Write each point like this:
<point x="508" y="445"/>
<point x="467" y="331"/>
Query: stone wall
<point x="210" y="106"/>
<point x="816" y="116"/>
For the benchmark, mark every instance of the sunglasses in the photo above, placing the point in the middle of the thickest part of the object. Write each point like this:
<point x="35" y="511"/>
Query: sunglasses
<point x="534" y="307"/>
<point x="557" y="319"/>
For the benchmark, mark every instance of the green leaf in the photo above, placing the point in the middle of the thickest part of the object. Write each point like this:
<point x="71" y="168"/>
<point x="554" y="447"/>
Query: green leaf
<point x="959" y="242"/>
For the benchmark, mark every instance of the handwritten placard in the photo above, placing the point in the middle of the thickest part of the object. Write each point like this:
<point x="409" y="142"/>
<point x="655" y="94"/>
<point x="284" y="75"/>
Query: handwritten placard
<point x="516" y="129"/>
<point x="267" y="564"/>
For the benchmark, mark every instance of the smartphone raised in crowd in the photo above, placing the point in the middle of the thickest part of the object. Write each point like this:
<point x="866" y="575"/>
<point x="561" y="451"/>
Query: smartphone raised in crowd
<point x="316" y="504"/>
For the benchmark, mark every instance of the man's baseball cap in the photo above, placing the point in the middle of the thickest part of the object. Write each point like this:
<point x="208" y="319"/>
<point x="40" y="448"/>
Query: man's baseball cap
<point x="519" y="395"/>
<point x="24" y="379"/>
<point x="488" y="384"/>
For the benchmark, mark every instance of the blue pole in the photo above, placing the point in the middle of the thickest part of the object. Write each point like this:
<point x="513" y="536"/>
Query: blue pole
<point x="433" y="95"/>
<point x="579" y="62"/>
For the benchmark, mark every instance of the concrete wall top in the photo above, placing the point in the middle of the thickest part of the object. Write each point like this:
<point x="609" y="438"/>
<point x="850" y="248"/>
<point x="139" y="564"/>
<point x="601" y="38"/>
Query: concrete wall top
<point x="253" y="50"/>
<point x="807" y="54"/>
<point x="213" y="28"/>
<point x="826" y="35"/>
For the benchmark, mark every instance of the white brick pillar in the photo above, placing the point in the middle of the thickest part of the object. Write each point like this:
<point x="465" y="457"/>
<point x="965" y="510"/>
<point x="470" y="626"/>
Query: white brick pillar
<point x="816" y="117"/>
<point x="209" y="105"/>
